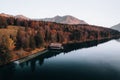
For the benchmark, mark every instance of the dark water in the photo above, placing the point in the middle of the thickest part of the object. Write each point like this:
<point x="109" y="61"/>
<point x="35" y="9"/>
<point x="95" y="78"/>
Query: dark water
<point x="96" y="60"/>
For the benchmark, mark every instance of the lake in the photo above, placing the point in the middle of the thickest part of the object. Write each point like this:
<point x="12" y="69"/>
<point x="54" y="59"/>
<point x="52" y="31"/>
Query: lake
<point x="96" y="60"/>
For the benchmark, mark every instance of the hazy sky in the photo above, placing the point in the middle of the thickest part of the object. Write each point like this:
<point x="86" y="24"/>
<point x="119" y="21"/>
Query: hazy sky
<point x="97" y="12"/>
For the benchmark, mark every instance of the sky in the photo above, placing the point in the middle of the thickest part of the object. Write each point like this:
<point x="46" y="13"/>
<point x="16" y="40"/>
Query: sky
<point x="96" y="12"/>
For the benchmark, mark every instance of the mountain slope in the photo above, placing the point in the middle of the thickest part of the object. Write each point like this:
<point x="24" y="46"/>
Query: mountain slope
<point x="21" y="17"/>
<point x="116" y="27"/>
<point x="16" y="17"/>
<point x="5" y="15"/>
<point x="65" y="20"/>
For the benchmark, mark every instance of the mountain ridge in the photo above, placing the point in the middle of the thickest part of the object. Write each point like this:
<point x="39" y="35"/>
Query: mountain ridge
<point x="22" y="17"/>
<point x="67" y="19"/>
<point x="116" y="27"/>
<point x="16" y="16"/>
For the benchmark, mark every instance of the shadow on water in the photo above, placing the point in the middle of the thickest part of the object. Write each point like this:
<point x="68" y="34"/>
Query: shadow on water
<point x="9" y="72"/>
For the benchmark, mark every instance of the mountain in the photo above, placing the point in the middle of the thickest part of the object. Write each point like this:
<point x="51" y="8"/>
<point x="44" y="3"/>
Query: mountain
<point x="21" y="17"/>
<point x="6" y="15"/>
<point x="116" y="27"/>
<point x="65" y="20"/>
<point x="17" y="16"/>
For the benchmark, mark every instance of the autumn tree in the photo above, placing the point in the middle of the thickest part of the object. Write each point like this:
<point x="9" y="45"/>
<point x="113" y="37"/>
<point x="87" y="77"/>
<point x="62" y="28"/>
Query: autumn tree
<point x="47" y="35"/>
<point x="60" y="37"/>
<point x="5" y="46"/>
<point x="20" y="38"/>
<point x="3" y="22"/>
<point x="10" y="21"/>
<point x="39" y="39"/>
<point x="26" y="41"/>
<point x="32" y="42"/>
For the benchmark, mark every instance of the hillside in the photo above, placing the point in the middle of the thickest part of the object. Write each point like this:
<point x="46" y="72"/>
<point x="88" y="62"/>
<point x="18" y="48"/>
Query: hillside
<point x="116" y="27"/>
<point x="6" y="15"/>
<point x="65" y="20"/>
<point x="16" y="16"/>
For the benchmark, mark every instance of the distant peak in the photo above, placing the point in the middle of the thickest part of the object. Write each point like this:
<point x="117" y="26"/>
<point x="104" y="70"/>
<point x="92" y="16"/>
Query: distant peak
<point x="57" y="16"/>
<point x="21" y="17"/>
<point x="67" y="16"/>
<point x="67" y="19"/>
<point x="116" y="27"/>
<point x="6" y="15"/>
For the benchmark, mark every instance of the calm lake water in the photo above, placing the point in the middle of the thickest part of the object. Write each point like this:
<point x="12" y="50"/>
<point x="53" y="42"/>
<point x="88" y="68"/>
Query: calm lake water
<point x="97" y="60"/>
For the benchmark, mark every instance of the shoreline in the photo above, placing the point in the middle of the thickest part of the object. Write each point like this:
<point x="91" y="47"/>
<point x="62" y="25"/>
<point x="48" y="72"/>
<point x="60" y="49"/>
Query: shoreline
<point x="33" y="53"/>
<point x="30" y="57"/>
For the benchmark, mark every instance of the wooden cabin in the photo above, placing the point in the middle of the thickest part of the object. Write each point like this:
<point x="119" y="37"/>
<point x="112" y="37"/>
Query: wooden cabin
<point x="56" y="46"/>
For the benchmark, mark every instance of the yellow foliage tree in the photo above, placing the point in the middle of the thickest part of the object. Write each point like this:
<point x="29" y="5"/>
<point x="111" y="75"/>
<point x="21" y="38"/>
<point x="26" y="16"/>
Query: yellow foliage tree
<point x="7" y="42"/>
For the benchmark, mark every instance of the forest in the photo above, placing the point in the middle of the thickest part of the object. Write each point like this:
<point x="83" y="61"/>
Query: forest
<point x="30" y="34"/>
